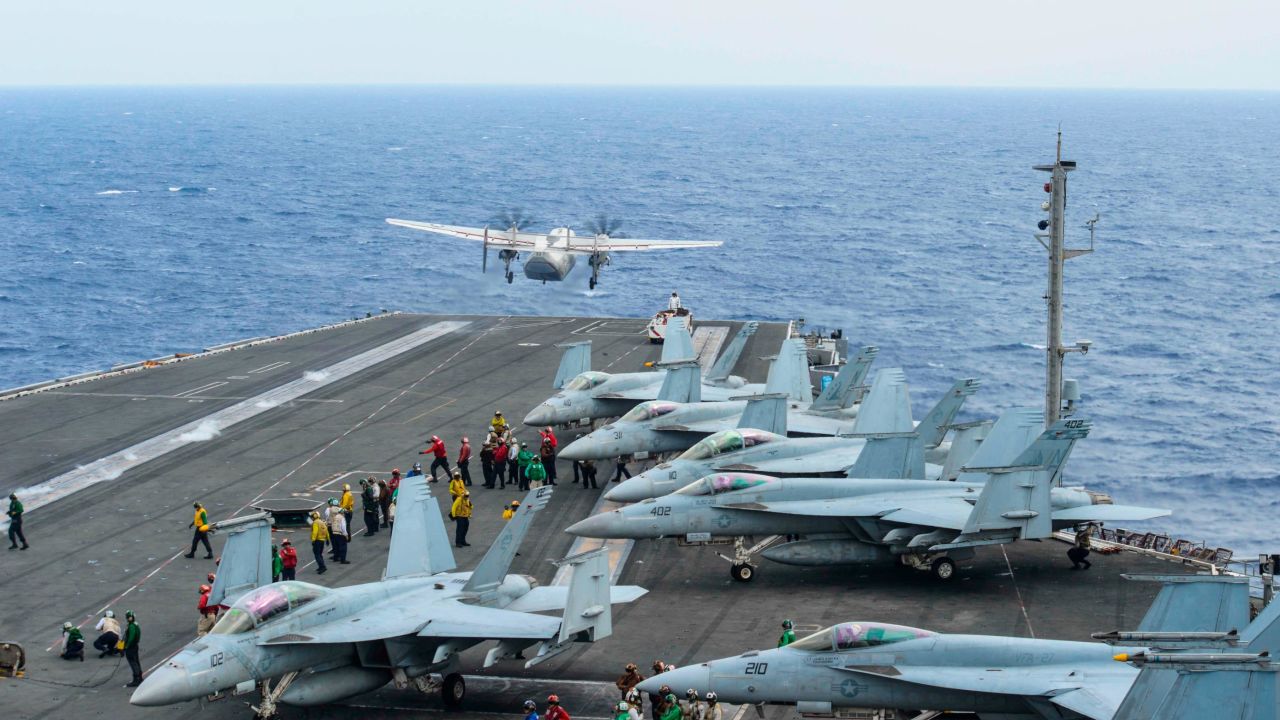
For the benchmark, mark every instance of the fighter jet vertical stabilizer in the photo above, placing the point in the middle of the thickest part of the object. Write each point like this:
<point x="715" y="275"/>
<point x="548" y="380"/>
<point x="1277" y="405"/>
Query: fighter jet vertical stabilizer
<point x="575" y="360"/>
<point x="492" y="569"/>
<point x="841" y="391"/>
<point x="683" y="382"/>
<point x="246" y="557"/>
<point x="723" y="366"/>
<point x="933" y="428"/>
<point x="678" y="343"/>
<point x="1016" y="497"/>
<point x="420" y="545"/>
<point x="766" y="412"/>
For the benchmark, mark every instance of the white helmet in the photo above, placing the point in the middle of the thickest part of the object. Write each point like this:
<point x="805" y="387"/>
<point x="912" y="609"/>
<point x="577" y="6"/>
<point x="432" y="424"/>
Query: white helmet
<point x="712" y="697"/>
<point x="109" y="613"/>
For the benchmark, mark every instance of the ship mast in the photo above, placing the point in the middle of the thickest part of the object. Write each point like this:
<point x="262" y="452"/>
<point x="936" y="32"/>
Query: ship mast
<point x="1054" y="241"/>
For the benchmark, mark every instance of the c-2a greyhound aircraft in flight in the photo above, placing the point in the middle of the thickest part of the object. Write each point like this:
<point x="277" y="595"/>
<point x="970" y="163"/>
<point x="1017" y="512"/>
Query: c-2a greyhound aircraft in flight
<point x="551" y="255"/>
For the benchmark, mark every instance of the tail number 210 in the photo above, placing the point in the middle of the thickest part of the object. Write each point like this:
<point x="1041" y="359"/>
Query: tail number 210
<point x="757" y="668"/>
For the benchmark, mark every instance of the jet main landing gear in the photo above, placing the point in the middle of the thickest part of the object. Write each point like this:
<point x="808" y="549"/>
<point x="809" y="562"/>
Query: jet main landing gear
<point x="942" y="567"/>
<point x="742" y="569"/>
<point x="268" y="707"/>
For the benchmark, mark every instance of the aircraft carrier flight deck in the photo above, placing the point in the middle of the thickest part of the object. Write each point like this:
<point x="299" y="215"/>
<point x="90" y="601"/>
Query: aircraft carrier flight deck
<point x="111" y="465"/>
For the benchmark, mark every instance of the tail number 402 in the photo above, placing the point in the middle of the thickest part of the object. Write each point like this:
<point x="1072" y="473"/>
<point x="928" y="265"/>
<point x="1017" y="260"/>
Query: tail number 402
<point x="757" y="668"/>
<point x="661" y="510"/>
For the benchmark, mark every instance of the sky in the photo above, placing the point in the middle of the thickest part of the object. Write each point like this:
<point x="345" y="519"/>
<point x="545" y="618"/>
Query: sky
<point x="1229" y="44"/>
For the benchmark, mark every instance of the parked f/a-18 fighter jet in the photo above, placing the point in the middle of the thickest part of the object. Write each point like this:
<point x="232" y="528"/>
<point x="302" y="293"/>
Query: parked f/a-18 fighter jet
<point x="322" y="644"/>
<point x="885" y="409"/>
<point x="874" y="515"/>
<point x="586" y="394"/>
<point x="670" y="425"/>
<point x="552" y="255"/>
<point x="1194" y="626"/>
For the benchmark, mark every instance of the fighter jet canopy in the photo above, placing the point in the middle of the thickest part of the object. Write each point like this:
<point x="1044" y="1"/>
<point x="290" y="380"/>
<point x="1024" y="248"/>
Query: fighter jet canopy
<point x="587" y="380"/>
<point x="727" y="441"/>
<point x="264" y="603"/>
<point x="649" y="410"/>
<point x="716" y="484"/>
<point x="854" y="635"/>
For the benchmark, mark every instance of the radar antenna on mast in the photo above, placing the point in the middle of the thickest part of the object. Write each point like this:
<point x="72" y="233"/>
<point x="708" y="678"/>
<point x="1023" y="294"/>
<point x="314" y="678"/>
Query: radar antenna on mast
<point x="1054" y="241"/>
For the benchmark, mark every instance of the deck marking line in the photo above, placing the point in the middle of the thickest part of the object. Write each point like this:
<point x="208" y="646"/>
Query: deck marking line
<point x="1018" y="592"/>
<point x="210" y="426"/>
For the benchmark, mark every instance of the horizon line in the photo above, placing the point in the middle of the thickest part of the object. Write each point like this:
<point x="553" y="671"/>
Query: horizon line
<point x="622" y="86"/>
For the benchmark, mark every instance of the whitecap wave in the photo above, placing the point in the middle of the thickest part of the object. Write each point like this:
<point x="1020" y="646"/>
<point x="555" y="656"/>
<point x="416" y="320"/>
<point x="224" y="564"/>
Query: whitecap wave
<point x="116" y="192"/>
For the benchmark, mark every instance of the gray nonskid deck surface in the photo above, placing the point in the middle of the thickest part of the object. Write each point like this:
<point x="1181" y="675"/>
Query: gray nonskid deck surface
<point x="125" y="537"/>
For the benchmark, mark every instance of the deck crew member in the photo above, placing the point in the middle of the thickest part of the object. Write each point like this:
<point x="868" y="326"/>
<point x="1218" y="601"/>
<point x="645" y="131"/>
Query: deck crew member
<point x="461" y="514"/>
<point x="109" y="628"/>
<point x="674" y="302"/>
<point x="499" y="424"/>
<point x="456" y="486"/>
<point x="288" y="560"/>
<point x="208" y="613"/>
<point x="369" y="505"/>
<point x="620" y="468"/>
<point x="133" y="636"/>
<point x="384" y="501"/>
<point x="15" y="524"/>
<point x="713" y="711"/>
<point x="319" y="536"/>
<point x="554" y="711"/>
<point x="788" y="633"/>
<point x="441" y="454"/>
<point x="630" y="678"/>
<point x="486" y="463"/>
<point x="277" y="565"/>
<point x="201" y="524"/>
<point x="547" y="453"/>
<point x="348" y="501"/>
<point x="72" y="642"/>
<point x="500" y="464"/>
<point x="464" y="457"/>
<point x="1079" y="552"/>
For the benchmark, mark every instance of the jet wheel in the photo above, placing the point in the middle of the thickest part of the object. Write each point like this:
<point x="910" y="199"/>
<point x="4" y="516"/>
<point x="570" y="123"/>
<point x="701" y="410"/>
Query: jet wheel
<point x="943" y="568"/>
<point x="742" y="572"/>
<point x="591" y="284"/>
<point x="510" y="277"/>
<point x="454" y="690"/>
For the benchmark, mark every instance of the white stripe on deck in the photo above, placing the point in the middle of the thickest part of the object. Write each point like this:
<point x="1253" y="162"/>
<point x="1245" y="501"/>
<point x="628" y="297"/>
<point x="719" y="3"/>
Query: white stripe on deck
<point x="706" y="343"/>
<point x="210" y="426"/>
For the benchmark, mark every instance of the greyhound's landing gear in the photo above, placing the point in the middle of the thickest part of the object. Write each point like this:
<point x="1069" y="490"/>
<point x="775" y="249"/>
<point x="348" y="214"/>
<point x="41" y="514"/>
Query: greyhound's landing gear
<point x="268" y="707"/>
<point x="506" y="256"/>
<point x="453" y="691"/>
<point x="597" y="261"/>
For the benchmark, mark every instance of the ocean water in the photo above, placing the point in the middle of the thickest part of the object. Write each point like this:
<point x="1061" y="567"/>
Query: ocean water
<point x="139" y="222"/>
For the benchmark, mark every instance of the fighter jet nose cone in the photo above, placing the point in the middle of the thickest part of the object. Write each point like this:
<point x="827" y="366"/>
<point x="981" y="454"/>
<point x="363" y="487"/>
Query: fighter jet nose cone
<point x="579" y="449"/>
<point x="541" y="415"/>
<point x="632" y="490"/>
<point x="697" y="677"/>
<point x="164" y="686"/>
<point x="596" y="526"/>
